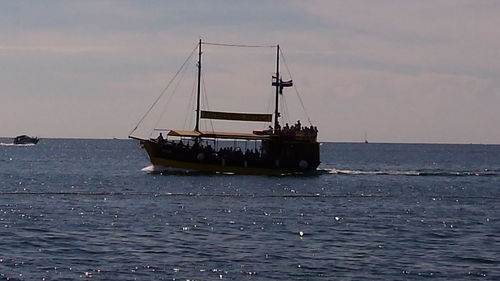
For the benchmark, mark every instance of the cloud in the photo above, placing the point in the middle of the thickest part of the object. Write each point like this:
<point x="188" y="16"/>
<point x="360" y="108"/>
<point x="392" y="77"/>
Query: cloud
<point x="447" y="36"/>
<point x="398" y="69"/>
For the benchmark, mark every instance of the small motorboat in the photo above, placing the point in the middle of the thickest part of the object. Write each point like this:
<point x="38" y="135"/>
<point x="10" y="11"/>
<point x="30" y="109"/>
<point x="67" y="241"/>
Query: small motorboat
<point x="24" y="139"/>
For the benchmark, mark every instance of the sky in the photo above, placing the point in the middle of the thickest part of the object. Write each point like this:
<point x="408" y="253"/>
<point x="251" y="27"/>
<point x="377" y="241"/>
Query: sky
<point x="424" y="71"/>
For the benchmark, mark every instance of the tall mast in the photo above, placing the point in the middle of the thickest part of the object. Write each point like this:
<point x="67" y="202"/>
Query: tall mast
<point x="276" y="111"/>
<point x="197" y="127"/>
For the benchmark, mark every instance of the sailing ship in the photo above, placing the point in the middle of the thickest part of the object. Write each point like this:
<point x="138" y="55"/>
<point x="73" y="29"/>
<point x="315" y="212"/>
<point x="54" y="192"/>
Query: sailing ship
<point x="278" y="150"/>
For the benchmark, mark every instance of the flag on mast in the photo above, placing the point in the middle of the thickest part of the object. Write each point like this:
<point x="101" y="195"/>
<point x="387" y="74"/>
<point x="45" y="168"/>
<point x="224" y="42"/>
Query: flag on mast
<point x="282" y="84"/>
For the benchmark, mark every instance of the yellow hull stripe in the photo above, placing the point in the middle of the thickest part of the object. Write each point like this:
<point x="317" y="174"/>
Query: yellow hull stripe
<point x="216" y="168"/>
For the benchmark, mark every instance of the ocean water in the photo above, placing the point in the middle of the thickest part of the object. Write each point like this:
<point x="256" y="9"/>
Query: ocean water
<point x="73" y="209"/>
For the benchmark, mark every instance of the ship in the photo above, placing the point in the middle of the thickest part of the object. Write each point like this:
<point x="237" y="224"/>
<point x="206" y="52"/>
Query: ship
<point x="277" y="150"/>
<point x="24" y="139"/>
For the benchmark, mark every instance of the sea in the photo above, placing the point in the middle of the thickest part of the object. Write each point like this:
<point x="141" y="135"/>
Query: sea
<point x="88" y="209"/>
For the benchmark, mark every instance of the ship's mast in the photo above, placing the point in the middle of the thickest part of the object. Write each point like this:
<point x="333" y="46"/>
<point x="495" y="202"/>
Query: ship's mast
<point x="197" y="127"/>
<point x="276" y="110"/>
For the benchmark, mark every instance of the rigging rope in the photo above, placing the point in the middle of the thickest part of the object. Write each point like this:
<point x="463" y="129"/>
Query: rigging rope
<point x="286" y="112"/>
<point x="238" y="45"/>
<point x="295" y="87"/>
<point x="164" y="90"/>
<point x="182" y="70"/>
<point x="189" y="115"/>
<point x="182" y="74"/>
<point x="205" y="98"/>
<point x="242" y="46"/>
<point x="269" y="108"/>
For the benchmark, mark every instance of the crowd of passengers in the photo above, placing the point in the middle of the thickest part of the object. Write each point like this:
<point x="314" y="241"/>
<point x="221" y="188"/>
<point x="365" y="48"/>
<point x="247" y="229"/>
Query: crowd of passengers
<point x="249" y="154"/>
<point x="294" y="130"/>
<point x="224" y="152"/>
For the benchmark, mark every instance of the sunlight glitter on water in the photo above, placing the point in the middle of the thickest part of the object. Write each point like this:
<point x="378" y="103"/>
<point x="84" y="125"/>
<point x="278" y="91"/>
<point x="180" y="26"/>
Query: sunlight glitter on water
<point x="370" y="226"/>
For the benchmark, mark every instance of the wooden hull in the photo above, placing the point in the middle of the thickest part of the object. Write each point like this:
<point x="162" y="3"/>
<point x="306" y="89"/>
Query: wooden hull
<point x="166" y="155"/>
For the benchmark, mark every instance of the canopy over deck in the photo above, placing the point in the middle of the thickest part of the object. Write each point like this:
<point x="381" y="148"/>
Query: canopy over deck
<point x="217" y="135"/>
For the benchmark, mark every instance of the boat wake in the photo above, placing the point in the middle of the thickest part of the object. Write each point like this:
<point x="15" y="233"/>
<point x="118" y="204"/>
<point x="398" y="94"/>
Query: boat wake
<point x="165" y="171"/>
<point x="148" y="169"/>
<point x="12" y="144"/>
<point x="151" y="169"/>
<point x="432" y="173"/>
<point x="161" y="170"/>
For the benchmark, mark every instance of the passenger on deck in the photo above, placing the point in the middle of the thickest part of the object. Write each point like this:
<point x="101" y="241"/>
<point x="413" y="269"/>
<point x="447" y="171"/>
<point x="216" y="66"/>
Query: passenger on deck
<point x="209" y="148"/>
<point x="268" y="131"/>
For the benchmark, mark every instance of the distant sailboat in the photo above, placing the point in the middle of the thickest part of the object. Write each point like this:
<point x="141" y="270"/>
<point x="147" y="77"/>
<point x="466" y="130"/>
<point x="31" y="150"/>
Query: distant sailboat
<point x="366" y="138"/>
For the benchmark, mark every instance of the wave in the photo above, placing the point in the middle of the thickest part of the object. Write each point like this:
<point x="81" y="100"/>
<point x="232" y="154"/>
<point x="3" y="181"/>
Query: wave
<point x="193" y="194"/>
<point x="12" y="144"/>
<point x="432" y="173"/>
<point x="151" y="169"/>
<point x="161" y="170"/>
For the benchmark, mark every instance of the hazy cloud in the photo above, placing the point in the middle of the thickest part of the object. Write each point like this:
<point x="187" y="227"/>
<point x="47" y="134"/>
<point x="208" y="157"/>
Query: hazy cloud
<point x="409" y="71"/>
